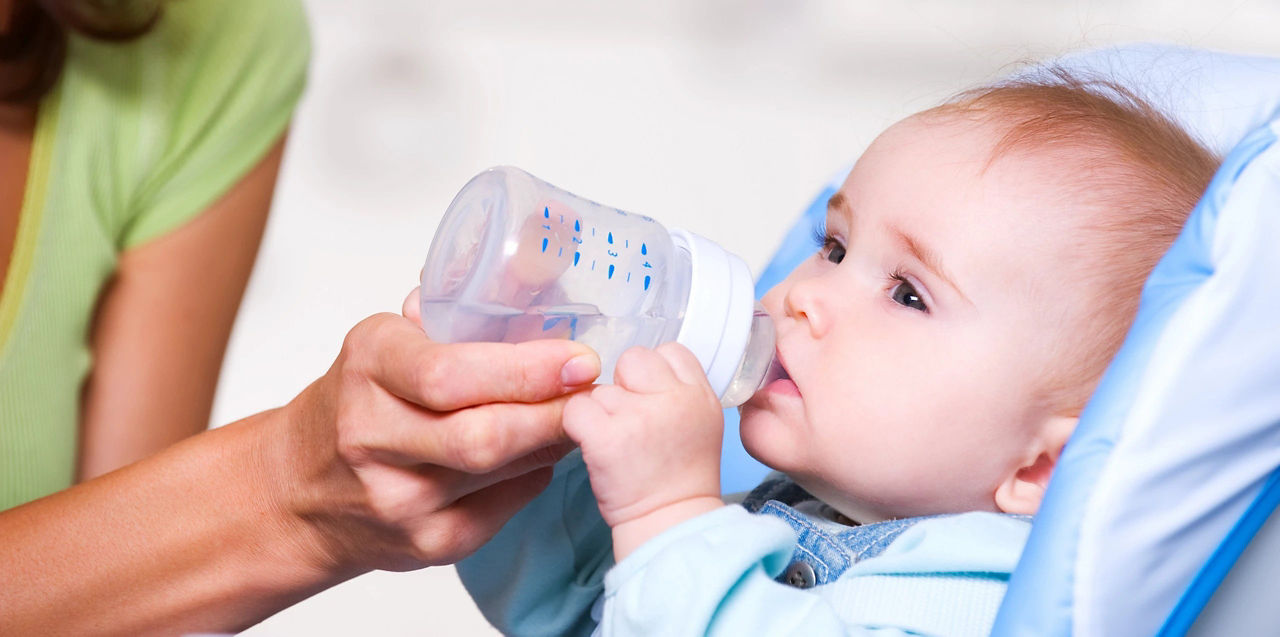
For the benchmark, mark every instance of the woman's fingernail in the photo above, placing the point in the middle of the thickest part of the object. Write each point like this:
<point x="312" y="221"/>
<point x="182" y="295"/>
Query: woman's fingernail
<point x="580" y="370"/>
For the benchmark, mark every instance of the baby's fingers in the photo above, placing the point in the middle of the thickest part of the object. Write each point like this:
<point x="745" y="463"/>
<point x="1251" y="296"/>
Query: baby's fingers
<point x="644" y="371"/>
<point x="683" y="363"/>
<point x="581" y="414"/>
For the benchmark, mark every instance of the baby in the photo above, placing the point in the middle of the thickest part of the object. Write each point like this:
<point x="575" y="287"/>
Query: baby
<point x="978" y="269"/>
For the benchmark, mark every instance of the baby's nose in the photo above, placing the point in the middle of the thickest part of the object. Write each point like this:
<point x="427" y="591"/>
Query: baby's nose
<point x="802" y="302"/>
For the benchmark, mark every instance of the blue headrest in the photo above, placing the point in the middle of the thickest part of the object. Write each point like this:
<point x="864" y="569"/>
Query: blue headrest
<point x="1173" y="466"/>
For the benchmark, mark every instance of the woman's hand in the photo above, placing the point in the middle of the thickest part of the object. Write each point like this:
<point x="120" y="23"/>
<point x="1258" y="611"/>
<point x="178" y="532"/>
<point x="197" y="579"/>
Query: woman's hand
<point x="651" y="443"/>
<point x="410" y="453"/>
<point x="406" y="453"/>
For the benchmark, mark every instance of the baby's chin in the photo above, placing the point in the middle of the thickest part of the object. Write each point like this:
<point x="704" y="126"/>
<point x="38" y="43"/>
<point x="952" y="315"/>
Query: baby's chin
<point x="767" y="438"/>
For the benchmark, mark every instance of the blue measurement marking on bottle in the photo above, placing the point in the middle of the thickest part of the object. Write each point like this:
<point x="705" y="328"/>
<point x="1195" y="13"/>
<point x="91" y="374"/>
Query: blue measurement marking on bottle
<point x="610" y="238"/>
<point x="644" y="249"/>
<point x="626" y="243"/>
<point x="610" y="270"/>
<point x="593" y="232"/>
<point x="577" y="225"/>
<point x="561" y="252"/>
<point x="646" y="265"/>
<point x="593" y="265"/>
<point x="551" y="322"/>
<point x="576" y="256"/>
<point x="546" y="212"/>
<point x="611" y="253"/>
<point x="544" y="244"/>
<point x="546" y="227"/>
<point x="646" y="282"/>
<point x="628" y="277"/>
<point x="561" y="218"/>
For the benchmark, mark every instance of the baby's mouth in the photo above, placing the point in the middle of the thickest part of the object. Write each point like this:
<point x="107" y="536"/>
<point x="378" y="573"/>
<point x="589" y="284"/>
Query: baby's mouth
<point x="775" y="371"/>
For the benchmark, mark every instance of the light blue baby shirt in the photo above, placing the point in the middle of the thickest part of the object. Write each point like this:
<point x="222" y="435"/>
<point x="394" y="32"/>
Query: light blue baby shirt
<point x="552" y="564"/>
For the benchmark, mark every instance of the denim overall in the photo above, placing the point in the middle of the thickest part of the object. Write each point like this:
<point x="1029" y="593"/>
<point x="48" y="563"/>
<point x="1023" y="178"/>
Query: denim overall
<point x="825" y="549"/>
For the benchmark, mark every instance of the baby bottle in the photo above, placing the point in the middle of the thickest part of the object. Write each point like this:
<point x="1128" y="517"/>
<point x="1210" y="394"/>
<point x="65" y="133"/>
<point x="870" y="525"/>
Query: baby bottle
<point x="517" y="259"/>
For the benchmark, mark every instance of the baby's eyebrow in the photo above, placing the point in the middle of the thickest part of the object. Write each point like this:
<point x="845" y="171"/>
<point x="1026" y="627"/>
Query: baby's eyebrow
<point x="924" y="254"/>
<point x="839" y="204"/>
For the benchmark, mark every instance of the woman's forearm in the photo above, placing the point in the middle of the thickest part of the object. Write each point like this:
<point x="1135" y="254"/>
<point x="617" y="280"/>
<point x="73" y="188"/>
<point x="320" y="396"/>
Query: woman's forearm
<point x="396" y="458"/>
<point x="194" y="538"/>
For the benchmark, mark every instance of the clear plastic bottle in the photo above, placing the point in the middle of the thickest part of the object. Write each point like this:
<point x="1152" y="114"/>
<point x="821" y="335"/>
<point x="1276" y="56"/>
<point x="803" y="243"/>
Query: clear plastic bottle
<point x="517" y="259"/>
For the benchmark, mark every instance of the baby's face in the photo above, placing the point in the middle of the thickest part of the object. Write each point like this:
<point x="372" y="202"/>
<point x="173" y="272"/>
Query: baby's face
<point x="920" y="338"/>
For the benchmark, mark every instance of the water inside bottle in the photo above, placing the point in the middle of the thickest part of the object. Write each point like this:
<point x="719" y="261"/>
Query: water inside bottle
<point x="448" y="321"/>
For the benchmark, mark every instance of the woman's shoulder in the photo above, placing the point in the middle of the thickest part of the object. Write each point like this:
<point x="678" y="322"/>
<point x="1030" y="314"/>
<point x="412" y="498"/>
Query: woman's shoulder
<point x="237" y="36"/>
<point x="182" y="111"/>
<point x="198" y="47"/>
<point x="194" y="20"/>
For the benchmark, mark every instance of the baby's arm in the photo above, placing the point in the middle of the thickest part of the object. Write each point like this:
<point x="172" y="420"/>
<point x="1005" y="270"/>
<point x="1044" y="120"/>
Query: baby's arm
<point x="544" y="571"/>
<point x="651" y="443"/>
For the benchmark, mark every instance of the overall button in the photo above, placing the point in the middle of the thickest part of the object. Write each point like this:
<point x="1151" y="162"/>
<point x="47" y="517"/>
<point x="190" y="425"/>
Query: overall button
<point x="800" y="575"/>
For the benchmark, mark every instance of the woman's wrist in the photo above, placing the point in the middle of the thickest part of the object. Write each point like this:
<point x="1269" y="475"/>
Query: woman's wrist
<point x="272" y="557"/>
<point x="630" y="535"/>
<point x="294" y="466"/>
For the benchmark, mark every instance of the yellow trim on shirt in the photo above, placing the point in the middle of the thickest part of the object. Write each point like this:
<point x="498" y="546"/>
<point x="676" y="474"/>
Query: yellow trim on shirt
<point x="30" y="215"/>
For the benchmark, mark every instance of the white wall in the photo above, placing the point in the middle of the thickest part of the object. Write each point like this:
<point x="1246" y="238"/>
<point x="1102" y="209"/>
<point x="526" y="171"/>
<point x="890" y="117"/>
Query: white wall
<point x="720" y="116"/>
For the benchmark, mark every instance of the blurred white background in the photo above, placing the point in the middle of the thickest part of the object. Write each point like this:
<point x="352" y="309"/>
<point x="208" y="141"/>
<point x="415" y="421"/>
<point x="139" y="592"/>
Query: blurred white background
<point x="720" y="116"/>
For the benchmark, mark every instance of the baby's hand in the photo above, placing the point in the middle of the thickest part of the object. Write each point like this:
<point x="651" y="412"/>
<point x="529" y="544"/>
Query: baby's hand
<point x="651" y="443"/>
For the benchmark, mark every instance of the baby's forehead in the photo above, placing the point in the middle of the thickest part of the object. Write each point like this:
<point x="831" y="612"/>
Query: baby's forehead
<point x="941" y="131"/>
<point x="942" y="154"/>
<point x="930" y="160"/>
<point x="930" y="176"/>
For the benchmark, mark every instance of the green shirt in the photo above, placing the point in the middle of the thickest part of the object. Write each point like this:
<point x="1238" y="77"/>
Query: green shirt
<point x="135" y="139"/>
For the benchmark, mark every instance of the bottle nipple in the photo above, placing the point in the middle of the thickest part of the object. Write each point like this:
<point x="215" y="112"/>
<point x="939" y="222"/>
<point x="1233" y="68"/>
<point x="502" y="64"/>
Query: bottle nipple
<point x="758" y="366"/>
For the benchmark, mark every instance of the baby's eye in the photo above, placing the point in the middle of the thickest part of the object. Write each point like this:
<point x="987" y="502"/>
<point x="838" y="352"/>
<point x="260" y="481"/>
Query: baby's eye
<point x="829" y="247"/>
<point x="832" y="250"/>
<point x="905" y="294"/>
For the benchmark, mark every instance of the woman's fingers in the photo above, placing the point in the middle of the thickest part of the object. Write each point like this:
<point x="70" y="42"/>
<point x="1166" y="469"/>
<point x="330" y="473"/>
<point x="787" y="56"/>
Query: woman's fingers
<point x="412" y="308"/>
<point x="474" y="440"/>
<point x="446" y="377"/>
<point x="451" y="534"/>
<point x="449" y="485"/>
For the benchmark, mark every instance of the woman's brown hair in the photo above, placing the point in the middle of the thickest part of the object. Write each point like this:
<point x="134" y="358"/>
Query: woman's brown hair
<point x="33" y="48"/>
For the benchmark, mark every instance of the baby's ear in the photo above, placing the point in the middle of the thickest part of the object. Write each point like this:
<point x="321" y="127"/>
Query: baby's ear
<point x="1023" y="489"/>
